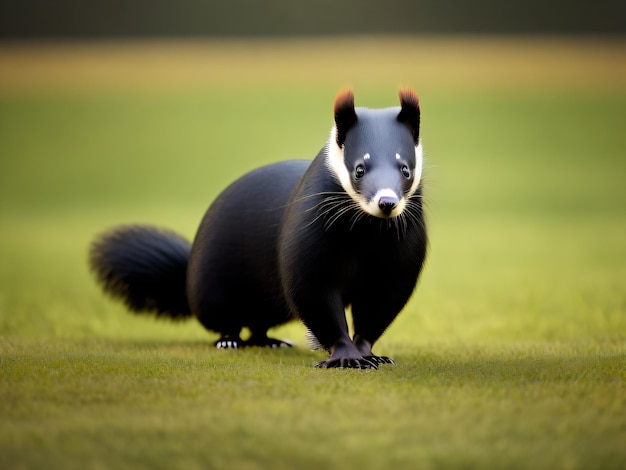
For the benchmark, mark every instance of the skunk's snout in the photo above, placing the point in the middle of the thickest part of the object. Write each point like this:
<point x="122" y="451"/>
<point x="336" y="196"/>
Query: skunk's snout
<point x="387" y="204"/>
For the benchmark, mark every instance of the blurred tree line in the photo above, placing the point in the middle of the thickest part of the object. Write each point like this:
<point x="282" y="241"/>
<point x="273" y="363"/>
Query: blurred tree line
<point x="191" y="18"/>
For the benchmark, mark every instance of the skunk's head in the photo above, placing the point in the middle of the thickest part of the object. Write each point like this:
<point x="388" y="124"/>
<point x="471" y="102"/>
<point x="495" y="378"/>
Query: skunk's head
<point x="376" y="154"/>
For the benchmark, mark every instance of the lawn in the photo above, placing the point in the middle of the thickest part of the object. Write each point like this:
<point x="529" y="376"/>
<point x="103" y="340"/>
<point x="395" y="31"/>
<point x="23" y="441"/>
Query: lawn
<point x="511" y="353"/>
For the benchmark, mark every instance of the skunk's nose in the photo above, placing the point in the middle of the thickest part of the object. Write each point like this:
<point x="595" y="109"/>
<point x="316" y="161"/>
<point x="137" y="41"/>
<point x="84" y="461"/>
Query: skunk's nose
<point x="387" y="204"/>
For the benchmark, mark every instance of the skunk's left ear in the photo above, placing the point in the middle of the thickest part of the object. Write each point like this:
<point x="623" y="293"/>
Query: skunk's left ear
<point x="345" y="115"/>
<point x="410" y="112"/>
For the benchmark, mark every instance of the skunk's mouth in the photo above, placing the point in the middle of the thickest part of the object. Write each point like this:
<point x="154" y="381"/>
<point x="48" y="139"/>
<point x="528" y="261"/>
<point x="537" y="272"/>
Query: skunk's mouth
<point x="385" y="204"/>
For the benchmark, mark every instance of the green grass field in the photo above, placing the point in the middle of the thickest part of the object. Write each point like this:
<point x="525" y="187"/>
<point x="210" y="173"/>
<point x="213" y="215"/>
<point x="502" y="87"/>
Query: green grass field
<point x="511" y="354"/>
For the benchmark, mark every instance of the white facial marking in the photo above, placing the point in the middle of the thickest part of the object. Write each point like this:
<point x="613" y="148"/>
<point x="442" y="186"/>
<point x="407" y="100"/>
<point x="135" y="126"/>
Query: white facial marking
<point x="397" y="156"/>
<point x="419" y="161"/>
<point x="374" y="208"/>
<point x="336" y="165"/>
<point x="389" y="193"/>
<point x="385" y="193"/>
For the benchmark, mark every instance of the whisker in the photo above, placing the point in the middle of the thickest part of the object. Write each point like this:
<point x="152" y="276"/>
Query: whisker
<point x="321" y="193"/>
<point x="322" y="213"/>
<point x="414" y="214"/>
<point x="358" y="215"/>
<point x="335" y="217"/>
<point x="328" y="200"/>
<point x="333" y="206"/>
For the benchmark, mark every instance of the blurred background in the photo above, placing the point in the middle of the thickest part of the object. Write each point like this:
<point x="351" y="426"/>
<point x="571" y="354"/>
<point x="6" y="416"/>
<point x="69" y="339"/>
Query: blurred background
<point x="142" y="111"/>
<point x="198" y="18"/>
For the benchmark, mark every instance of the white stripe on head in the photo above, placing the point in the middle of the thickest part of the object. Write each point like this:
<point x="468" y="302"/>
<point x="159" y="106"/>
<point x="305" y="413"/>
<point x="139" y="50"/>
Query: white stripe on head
<point x="419" y="163"/>
<point x="336" y="164"/>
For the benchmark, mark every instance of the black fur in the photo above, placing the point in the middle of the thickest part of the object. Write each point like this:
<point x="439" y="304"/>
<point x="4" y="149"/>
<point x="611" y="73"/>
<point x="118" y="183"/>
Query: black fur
<point x="410" y="112"/>
<point x="145" y="267"/>
<point x="345" y="115"/>
<point x="286" y="241"/>
<point x="233" y="278"/>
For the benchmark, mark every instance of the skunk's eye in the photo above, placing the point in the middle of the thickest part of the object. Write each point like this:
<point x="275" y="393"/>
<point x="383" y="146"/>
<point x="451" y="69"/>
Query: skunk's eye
<point x="405" y="171"/>
<point x="359" y="171"/>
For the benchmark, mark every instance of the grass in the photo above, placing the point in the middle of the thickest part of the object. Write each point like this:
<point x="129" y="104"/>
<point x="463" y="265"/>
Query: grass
<point x="164" y="403"/>
<point x="510" y="354"/>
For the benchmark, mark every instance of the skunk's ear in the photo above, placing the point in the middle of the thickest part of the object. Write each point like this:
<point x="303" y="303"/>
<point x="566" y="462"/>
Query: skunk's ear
<point x="410" y="112"/>
<point x="345" y="115"/>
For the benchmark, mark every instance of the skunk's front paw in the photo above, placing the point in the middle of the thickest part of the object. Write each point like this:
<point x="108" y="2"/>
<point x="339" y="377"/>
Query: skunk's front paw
<point x="347" y="363"/>
<point x="380" y="359"/>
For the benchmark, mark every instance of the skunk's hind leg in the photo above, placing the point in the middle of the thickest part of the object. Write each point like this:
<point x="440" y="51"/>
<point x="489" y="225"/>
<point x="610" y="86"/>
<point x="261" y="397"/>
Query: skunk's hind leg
<point x="234" y="341"/>
<point x="261" y="339"/>
<point x="228" y="341"/>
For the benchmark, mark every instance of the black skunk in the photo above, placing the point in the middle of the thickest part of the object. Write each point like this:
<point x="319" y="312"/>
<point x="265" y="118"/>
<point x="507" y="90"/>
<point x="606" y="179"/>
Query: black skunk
<point x="294" y="239"/>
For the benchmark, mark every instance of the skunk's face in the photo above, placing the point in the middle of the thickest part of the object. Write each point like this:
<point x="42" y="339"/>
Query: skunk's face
<point x="376" y="155"/>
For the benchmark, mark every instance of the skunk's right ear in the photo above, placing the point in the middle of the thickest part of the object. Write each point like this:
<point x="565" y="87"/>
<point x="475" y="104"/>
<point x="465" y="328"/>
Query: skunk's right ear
<point x="410" y="112"/>
<point x="345" y="115"/>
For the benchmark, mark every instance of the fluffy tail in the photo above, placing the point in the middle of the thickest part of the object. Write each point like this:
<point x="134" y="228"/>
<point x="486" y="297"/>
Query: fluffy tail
<point x="145" y="267"/>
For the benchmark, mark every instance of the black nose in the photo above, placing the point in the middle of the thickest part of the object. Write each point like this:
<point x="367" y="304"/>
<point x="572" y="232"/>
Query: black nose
<point x="387" y="204"/>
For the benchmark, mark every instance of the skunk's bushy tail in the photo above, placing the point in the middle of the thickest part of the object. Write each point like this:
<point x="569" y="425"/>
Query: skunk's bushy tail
<point x="146" y="267"/>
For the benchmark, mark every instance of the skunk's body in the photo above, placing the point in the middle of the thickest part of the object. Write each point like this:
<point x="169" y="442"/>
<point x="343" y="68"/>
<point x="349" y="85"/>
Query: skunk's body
<point x="294" y="239"/>
<point x="233" y="277"/>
